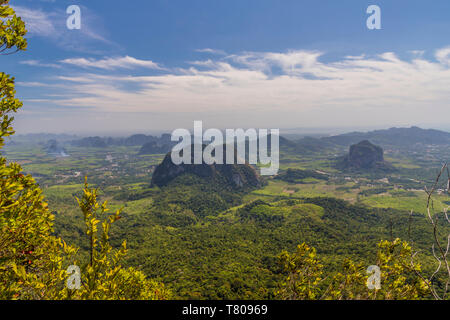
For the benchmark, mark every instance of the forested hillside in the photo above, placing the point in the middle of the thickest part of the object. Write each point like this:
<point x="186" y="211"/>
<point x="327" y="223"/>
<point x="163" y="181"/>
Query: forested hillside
<point x="132" y="225"/>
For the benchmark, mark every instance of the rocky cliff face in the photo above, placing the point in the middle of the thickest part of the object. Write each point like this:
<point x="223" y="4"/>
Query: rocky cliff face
<point x="234" y="175"/>
<point x="365" y="156"/>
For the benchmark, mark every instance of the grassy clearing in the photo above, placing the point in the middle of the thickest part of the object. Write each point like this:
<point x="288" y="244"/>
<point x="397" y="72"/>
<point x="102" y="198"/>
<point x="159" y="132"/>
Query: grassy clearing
<point x="407" y="203"/>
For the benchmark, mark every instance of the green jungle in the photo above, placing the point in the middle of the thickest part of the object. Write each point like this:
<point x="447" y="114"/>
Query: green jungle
<point x="338" y="205"/>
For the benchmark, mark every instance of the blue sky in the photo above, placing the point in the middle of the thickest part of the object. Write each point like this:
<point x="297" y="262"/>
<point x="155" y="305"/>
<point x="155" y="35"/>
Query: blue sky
<point x="142" y="66"/>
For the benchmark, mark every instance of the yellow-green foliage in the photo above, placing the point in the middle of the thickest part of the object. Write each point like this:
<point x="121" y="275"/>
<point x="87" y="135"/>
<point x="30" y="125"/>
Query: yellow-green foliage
<point x="33" y="262"/>
<point x="31" y="259"/>
<point x="306" y="280"/>
<point x="103" y="277"/>
<point x="398" y="277"/>
<point x="12" y="29"/>
<point x="349" y="283"/>
<point x="304" y="274"/>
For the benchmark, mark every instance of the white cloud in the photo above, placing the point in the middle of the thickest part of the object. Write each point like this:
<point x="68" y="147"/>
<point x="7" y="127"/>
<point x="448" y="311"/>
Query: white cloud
<point x="270" y="89"/>
<point x="211" y="51"/>
<point x="37" y="21"/>
<point x="32" y="84"/>
<point x="443" y="56"/>
<point x="126" y="62"/>
<point x="37" y="63"/>
<point x="52" y="25"/>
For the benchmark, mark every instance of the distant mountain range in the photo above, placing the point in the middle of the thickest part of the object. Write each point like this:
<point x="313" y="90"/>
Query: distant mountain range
<point x="233" y="175"/>
<point x="394" y="137"/>
<point x="134" y="140"/>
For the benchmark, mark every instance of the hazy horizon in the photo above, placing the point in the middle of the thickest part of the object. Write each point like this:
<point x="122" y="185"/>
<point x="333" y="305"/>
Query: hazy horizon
<point x="324" y="131"/>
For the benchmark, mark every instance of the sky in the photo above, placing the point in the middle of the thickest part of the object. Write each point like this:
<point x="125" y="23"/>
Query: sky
<point x="145" y="66"/>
